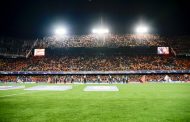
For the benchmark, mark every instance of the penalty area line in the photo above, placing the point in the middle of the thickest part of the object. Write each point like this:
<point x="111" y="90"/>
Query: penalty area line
<point x="10" y="95"/>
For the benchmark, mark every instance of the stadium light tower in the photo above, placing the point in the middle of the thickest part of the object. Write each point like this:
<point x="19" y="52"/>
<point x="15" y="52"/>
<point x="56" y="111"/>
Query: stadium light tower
<point x="101" y="34"/>
<point x="60" y="31"/>
<point x="142" y="29"/>
<point x="100" y="31"/>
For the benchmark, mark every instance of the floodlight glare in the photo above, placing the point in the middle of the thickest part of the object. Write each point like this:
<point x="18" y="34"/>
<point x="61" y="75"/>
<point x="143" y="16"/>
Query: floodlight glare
<point x="100" y="31"/>
<point x="141" y="29"/>
<point x="60" y="31"/>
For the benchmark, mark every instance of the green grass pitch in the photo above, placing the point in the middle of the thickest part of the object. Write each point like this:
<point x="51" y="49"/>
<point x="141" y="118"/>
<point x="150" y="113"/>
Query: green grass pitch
<point x="150" y="102"/>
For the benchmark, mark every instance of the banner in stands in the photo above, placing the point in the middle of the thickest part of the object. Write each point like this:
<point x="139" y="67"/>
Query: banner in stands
<point x="163" y="50"/>
<point x="130" y="72"/>
<point x="39" y="52"/>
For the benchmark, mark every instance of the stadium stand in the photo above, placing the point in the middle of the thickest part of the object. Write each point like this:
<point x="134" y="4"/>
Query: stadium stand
<point x="10" y="47"/>
<point x="95" y="53"/>
<point x="95" y="63"/>
<point x="109" y="40"/>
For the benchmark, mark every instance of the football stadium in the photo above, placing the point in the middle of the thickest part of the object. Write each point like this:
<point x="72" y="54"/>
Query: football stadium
<point x="111" y="71"/>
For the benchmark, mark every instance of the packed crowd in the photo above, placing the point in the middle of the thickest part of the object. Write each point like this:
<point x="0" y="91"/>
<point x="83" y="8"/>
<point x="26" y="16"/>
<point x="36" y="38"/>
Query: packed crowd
<point x="22" y="47"/>
<point x="179" y="44"/>
<point x="109" y="40"/>
<point x="95" y="63"/>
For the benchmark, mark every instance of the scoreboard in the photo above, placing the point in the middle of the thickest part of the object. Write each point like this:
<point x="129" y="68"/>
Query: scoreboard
<point x="39" y="52"/>
<point x="163" y="50"/>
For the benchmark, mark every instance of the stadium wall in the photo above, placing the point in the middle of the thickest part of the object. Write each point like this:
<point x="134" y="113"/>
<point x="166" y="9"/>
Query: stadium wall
<point x="102" y="50"/>
<point x="130" y="72"/>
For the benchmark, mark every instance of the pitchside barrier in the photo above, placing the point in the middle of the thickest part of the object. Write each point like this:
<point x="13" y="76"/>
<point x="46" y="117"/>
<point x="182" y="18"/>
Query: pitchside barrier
<point x="129" y="72"/>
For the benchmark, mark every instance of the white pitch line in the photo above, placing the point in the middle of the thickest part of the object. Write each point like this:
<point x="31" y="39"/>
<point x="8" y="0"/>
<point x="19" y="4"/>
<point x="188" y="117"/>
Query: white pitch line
<point x="10" y="95"/>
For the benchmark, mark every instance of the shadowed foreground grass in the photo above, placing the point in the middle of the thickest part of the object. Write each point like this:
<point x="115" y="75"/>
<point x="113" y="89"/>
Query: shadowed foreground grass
<point x="134" y="102"/>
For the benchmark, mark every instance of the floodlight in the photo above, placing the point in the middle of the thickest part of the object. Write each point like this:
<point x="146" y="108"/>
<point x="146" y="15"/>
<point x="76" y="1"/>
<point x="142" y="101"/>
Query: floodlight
<point x="100" y="31"/>
<point x="60" y="31"/>
<point x="141" y="29"/>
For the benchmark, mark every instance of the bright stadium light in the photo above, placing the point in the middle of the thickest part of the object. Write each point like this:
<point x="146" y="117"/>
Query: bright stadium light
<point x="60" y="31"/>
<point x="141" y="29"/>
<point x="100" y="31"/>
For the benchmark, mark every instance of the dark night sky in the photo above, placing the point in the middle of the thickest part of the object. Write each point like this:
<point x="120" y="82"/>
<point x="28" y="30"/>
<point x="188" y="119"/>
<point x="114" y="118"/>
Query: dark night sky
<point x="34" y="18"/>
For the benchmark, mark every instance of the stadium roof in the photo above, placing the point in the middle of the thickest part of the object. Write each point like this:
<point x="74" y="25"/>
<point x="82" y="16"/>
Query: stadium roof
<point x="33" y="18"/>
